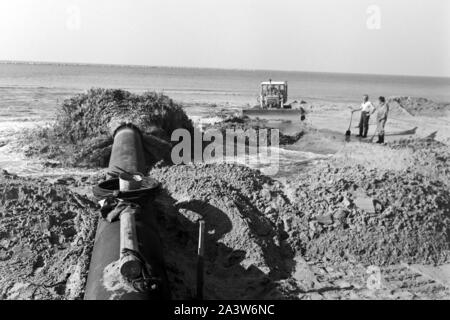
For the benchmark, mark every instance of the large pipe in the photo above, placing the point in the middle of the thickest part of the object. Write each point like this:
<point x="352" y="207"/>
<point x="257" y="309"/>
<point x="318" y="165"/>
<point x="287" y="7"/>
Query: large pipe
<point x="104" y="281"/>
<point x="127" y="151"/>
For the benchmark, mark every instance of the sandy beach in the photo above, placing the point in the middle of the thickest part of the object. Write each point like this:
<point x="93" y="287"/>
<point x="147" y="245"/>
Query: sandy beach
<point x="224" y="159"/>
<point x="310" y="232"/>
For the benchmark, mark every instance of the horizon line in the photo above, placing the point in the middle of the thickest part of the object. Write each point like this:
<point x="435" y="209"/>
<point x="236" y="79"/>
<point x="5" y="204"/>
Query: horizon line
<point x="31" y="62"/>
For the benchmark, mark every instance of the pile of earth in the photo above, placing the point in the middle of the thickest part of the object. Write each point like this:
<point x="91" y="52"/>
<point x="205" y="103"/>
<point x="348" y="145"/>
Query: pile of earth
<point x="83" y="130"/>
<point x="46" y="238"/>
<point x="431" y="158"/>
<point x="374" y="217"/>
<point x="242" y="123"/>
<point x="418" y="106"/>
<point x="247" y="250"/>
<point x="256" y="228"/>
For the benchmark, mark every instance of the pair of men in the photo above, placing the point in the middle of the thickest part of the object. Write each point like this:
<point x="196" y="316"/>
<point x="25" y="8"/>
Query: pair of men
<point x="367" y="109"/>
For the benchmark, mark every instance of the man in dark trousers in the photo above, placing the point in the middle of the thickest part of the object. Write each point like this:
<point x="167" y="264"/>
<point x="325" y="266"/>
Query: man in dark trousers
<point x="366" y="109"/>
<point x="382" y="114"/>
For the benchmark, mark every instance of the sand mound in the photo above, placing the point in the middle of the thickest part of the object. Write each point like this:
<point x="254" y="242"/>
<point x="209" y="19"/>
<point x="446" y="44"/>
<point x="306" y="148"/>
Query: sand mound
<point x="241" y="122"/>
<point x="245" y="249"/>
<point x="430" y="158"/>
<point x="82" y="132"/>
<point x="46" y="235"/>
<point x="374" y="216"/>
<point x="418" y="106"/>
<point x="255" y="231"/>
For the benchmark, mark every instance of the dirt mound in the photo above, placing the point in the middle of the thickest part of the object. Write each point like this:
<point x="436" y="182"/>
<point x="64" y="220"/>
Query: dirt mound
<point x="257" y="228"/>
<point x="46" y="236"/>
<point x="377" y="217"/>
<point x="241" y="122"/>
<point x="430" y="158"/>
<point x="82" y="132"/>
<point x="246" y="252"/>
<point x="418" y="106"/>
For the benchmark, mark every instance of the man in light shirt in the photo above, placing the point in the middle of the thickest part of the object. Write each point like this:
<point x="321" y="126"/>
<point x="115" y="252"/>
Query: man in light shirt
<point x="366" y="109"/>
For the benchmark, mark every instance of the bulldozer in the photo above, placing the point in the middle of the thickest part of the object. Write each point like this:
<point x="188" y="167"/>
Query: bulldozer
<point x="273" y="100"/>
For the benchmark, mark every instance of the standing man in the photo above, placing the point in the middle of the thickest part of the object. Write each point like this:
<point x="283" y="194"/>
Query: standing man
<point x="366" y="109"/>
<point x="382" y="114"/>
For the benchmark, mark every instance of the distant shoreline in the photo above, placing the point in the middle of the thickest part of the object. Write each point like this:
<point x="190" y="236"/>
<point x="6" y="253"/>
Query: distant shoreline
<point x="219" y="86"/>
<point x="87" y="64"/>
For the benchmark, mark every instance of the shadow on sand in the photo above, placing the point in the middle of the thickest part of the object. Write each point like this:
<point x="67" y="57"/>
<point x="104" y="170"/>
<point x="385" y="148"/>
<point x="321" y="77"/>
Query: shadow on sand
<point x="225" y="277"/>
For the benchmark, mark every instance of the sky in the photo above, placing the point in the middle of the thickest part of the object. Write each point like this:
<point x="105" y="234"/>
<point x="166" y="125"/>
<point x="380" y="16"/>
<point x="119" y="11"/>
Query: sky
<point x="402" y="37"/>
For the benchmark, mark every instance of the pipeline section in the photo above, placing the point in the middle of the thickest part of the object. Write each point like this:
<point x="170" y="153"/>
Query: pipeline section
<point x="127" y="260"/>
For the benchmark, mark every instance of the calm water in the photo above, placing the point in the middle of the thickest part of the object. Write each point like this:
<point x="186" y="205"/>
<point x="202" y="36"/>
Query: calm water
<point x="33" y="90"/>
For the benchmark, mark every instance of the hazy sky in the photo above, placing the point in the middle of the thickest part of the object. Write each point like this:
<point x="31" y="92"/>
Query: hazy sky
<point x="410" y="37"/>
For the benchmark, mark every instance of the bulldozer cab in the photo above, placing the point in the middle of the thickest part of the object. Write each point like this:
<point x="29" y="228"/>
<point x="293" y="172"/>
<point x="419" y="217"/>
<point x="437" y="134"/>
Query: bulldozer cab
<point x="273" y="94"/>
